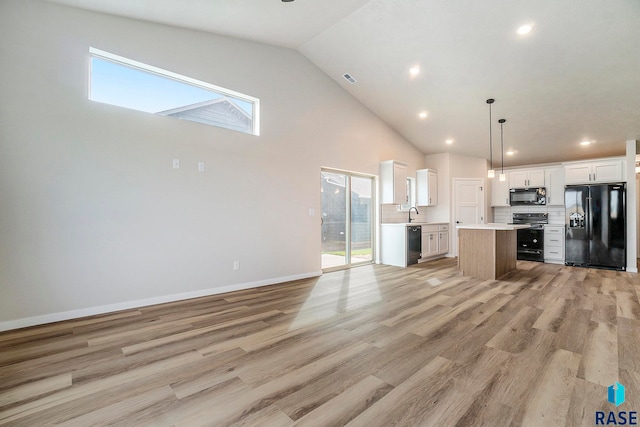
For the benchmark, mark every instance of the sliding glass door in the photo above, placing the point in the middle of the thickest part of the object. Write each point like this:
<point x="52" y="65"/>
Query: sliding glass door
<point x="347" y="219"/>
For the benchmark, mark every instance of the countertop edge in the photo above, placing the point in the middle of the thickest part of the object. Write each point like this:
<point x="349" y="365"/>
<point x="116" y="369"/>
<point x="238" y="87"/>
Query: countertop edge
<point x="408" y="224"/>
<point x="492" y="226"/>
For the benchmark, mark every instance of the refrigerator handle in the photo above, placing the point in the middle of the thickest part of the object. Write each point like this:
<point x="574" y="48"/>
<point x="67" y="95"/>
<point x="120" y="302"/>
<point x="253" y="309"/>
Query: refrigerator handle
<point x="587" y="219"/>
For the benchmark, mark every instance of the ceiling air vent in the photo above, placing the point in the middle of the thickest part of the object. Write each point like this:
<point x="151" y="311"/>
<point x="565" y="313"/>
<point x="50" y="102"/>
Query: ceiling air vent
<point x="349" y="78"/>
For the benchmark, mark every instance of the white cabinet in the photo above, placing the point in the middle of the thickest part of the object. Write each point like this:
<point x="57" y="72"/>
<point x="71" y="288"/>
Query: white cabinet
<point x="443" y="239"/>
<point x="578" y="173"/>
<point x="429" y="241"/>
<point x="554" y="178"/>
<point x="426" y="187"/>
<point x="499" y="192"/>
<point x="526" y="178"/>
<point x="608" y="171"/>
<point x="518" y="179"/>
<point x="393" y="244"/>
<point x="435" y="240"/>
<point x="554" y="244"/>
<point x="393" y="180"/>
<point x="595" y="171"/>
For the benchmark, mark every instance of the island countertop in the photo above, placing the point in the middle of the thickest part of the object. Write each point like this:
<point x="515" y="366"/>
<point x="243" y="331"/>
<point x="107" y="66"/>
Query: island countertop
<point x="493" y="226"/>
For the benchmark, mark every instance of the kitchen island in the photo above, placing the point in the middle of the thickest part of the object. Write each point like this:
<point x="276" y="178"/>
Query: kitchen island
<point x="487" y="251"/>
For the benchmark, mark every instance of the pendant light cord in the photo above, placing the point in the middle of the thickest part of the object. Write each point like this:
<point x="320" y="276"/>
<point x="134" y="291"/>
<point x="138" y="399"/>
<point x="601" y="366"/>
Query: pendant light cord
<point x="501" y="121"/>
<point x="490" y="101"/>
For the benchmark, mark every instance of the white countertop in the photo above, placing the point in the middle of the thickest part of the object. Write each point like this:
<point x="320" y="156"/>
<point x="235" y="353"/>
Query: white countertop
<point x="405" y="224"/>
<point x="493" y="226"/>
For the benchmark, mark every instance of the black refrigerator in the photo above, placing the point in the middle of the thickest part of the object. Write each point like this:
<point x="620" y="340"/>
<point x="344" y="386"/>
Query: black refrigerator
<point x="596" y="226"/>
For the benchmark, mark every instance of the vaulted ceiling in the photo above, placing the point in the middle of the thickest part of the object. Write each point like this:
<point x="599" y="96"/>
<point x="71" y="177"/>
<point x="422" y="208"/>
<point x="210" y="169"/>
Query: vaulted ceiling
<point x="574" y="77"/>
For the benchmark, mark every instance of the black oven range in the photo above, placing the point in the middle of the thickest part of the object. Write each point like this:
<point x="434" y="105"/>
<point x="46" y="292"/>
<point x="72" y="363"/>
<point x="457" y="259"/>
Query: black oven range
<point x="531" y="240"/>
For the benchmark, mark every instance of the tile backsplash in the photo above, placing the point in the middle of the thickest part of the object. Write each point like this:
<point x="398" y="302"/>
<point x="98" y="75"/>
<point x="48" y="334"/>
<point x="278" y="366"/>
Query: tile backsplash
<point x="505" y="214"/>
<point x="390" y="213"/>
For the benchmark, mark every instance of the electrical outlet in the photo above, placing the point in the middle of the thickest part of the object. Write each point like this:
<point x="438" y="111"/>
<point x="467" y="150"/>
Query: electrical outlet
<point x="176" y="163"/>
<point x="236" y="265"/>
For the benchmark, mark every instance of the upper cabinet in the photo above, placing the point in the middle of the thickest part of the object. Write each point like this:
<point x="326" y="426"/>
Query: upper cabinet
<point x="525" y="178"/>
<point x="596" y="171"/>
<point x="554" y="179"/>
<point x="500" y="192"/>
<point x="393" y="180"/>
<point x="426" y="187"/>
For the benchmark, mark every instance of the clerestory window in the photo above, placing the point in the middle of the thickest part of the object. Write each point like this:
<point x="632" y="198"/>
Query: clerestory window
<point x="127" y="83"/>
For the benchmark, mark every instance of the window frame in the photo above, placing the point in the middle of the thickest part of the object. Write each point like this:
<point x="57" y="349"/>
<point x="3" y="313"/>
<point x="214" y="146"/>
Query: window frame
<point x="108" y="56"/>
<point x="411" y="195"/>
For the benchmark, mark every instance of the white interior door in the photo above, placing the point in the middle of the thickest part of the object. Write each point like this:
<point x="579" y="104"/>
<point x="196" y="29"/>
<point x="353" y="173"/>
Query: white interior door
<point x="468" y="204"/>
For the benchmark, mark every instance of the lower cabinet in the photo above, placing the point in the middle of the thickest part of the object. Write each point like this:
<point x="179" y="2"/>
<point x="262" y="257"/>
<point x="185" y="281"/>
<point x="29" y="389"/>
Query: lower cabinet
<point x="443" y="241"/>
<point x="429" y="241"/>
<point x="435" y="241"/>
<point x="554" y="244"/>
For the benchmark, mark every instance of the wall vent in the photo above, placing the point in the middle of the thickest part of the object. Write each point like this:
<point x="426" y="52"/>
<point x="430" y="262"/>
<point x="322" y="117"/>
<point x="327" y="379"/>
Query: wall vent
<point x="349" y="78"/>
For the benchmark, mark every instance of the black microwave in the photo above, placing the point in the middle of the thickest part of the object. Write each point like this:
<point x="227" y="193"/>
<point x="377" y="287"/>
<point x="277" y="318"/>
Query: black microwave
<point x="528" y="196"/>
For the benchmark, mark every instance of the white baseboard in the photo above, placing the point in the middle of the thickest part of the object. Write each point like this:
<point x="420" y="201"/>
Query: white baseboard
<point x="127" y="305"/>
<point x="632" y="270"/>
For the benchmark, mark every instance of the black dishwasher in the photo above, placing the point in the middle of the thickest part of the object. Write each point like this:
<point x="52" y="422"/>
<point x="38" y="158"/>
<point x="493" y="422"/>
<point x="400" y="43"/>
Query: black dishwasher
<point x="414" y="243"/>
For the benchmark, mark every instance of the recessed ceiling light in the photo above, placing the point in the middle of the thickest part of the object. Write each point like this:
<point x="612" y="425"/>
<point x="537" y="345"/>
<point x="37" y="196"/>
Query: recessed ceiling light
<point x="525" y="29"/>
<point x="585" y="142"/>
<point x="414" y="71"/>
<point x="423" y="115"/>
<point x="449" y="141"/>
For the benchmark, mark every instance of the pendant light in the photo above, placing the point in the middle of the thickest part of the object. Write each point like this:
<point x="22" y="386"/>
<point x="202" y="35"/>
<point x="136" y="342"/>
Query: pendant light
<point x="503" y="177"/>
<point x="491" y="173"/>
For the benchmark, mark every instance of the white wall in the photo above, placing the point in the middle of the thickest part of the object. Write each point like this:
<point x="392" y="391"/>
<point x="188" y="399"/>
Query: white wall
<point x="442" y="164"/>
<point x="93" y="217"/>
<point x="451" y="166"/>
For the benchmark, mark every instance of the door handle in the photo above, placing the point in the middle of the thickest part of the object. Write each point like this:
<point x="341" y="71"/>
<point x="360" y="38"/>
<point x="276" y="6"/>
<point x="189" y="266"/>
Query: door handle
<point x="457" y="222"/>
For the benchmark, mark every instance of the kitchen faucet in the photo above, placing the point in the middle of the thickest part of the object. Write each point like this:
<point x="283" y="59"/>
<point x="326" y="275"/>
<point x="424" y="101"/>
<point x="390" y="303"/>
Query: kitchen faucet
<point x="417" y="213"/>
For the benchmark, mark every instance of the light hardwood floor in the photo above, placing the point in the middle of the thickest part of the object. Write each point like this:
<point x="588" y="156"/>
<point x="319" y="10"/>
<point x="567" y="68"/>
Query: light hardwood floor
<point x="371" y="346"/>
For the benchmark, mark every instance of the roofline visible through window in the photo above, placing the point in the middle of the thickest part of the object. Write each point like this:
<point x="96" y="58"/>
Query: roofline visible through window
<point x="179" y="77"/>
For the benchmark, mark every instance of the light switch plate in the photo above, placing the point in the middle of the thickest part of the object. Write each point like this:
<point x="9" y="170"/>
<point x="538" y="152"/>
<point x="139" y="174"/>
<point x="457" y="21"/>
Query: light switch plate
<point x="201" y="166"/>
<point x="176" y="163"/>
